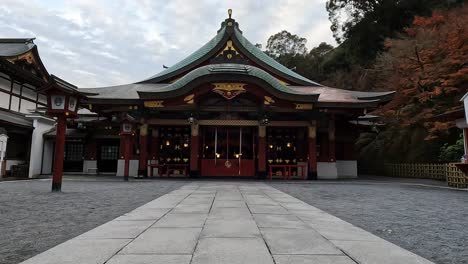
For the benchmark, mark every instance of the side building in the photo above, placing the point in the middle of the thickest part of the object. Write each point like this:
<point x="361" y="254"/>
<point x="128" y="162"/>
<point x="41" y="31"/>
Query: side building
<point x="22" y="75"/>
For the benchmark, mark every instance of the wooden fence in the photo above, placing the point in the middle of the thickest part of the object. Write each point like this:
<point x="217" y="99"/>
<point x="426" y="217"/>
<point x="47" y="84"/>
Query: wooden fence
<point x="444" y="172"/>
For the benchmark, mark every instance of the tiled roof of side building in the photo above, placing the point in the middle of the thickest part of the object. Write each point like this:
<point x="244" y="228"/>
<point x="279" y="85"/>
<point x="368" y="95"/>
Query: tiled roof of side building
<point x="15" y="47"/>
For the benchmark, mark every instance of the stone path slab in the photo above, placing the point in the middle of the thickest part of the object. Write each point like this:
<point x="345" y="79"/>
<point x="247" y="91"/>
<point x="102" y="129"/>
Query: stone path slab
<point x="223" y="222"/>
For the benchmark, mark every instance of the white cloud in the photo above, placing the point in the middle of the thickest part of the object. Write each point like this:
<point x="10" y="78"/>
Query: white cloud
<point x="100" y="43"/>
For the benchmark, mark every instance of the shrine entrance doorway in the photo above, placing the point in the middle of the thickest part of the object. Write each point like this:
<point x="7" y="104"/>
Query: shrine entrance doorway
<point x="228" y="150"/>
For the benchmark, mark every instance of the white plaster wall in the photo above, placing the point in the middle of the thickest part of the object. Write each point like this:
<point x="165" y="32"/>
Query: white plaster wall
<point x="4" y="97"/>
<point x="327" y="170"/>
<point x="155" y="170"/>
<point x="4" y="100"/>
<point x="47" y="157"/>
<point x="10" y="163"/>
<point x="347" y="168"/>
<point x="89" y="164"/>
<point x="41" y="125"/>
<point x="120" y="167"/>
<point x="132" y="169"/>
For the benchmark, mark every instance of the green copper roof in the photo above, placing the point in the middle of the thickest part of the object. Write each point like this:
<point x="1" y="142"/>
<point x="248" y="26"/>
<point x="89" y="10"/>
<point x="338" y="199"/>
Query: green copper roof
<point x="256" y="52"/>
<point x="229" y="30"/>
<point x="197" y="55"/>
<point x="218" y="69"/>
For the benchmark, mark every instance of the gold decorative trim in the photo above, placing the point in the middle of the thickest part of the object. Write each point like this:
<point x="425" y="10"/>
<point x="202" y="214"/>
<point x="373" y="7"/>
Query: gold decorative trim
<point x="282" y="82"/>
<point x="28" y="56"/>
<point x="144" y="130"/>
<point x="154" y="104"/>
<point x="304" y="106"/>
<point x="228" y="122"/>
<point x="312" y="132"/>
<point x="229" y="90"/>
<point x="189" y="99"/>
<point x="267" y="100"/>
<point x="229" y="46"/>
<point x="262" y="131"/>
<point x="194" y="130"/>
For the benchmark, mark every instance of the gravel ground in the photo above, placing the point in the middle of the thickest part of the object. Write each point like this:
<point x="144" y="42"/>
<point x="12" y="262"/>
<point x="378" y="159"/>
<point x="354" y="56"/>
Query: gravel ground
<point x="32" y="219"/>
<point x="427" y="220"/>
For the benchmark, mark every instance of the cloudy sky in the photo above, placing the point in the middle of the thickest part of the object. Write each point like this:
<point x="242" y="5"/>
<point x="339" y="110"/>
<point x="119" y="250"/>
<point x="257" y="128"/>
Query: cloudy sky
<point x="94" y="43"/>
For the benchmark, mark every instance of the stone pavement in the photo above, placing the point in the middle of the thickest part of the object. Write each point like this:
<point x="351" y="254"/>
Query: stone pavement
<point x="222" y="222"/>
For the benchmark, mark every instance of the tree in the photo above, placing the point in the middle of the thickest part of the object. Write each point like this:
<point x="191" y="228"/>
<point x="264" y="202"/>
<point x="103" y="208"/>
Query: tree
<point x="362" y="25"/>
<point x="285" y="43"/>
<point x="427" y="66"/>
<point x="452" y="153"/>
<point x="321" y="51"/>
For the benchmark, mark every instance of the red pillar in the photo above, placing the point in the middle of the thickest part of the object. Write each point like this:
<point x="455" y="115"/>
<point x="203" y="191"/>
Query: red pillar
<point x="155" y="144"/>
<point x="126" y="144"/>
<point x="312" y="144"/>
<point x="331" y="141"/>
<point x="143" y="162"/>
<point x="261" y="152"/>
<point x="59" y="153"/>
<point x="194" y="148"/>
<point x="465" y="137"/>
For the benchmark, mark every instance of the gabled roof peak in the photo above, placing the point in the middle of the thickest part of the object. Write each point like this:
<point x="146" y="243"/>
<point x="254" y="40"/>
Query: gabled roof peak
<point x="229" y="23"/>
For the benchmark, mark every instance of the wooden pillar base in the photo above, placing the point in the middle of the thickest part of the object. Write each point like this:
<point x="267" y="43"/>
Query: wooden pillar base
<point x="59" y="154"/>
<point x="194" y="174"/>
<point x="194" y="149"/>
<point x="56" y="186"/>
<point x="143" y="159"/>
<point x="261" y="166"/>
<point x="312" y="147"/>
<point x="262" y="175"/>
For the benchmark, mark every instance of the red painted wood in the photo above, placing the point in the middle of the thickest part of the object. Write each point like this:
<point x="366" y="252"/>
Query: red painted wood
<point x="288" y="168"/>
<point x="154" y="148"/>
<point x="59" y="153"/>
<point x="126" y="144"/>
<point x="210" y="168"/>
<point x="261" y="154"/>
<point x="465" y="135"/>
<point x="143" y="152"/>
<point x="172" y="167"/>
<point x="194" y="148"/>
<point x="312" y="154"/>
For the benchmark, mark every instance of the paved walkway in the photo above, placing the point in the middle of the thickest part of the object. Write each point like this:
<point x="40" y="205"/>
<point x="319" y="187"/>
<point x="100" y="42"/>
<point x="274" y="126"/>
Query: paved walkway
<point x="216" y="222"/>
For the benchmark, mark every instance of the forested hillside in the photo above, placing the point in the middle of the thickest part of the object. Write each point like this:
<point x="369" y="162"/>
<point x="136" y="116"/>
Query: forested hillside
<point x="417" y="48"/>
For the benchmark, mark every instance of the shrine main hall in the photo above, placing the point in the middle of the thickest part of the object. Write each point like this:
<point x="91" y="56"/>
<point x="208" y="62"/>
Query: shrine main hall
<point x="228" y="109"/>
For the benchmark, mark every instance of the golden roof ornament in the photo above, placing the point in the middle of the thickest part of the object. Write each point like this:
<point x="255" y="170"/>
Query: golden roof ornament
<point x="230" y="12"/>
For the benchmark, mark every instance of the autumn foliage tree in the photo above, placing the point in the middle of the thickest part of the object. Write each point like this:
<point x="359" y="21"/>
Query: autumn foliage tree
<point x="428" y="67"/>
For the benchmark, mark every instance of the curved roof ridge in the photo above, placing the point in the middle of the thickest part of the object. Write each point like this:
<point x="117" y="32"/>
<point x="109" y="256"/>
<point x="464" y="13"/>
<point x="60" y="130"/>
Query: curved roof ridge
<point x="256" y="52"/>
<point x="178" y="87"/>
<point x="230" y="30"/>
<point x="196" y="55"/>
<point x="229" y="68"/>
